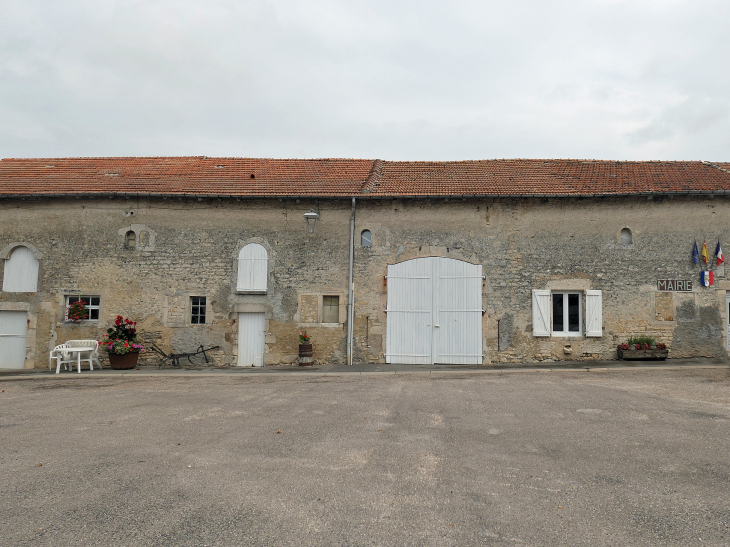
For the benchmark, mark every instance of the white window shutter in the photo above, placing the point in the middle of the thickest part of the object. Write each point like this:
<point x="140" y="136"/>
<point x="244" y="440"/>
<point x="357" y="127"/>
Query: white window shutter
<point x="594" y="313"/>
<point x="21" y="271"/>
<point x="540" y="312"/>
<point x="252" y="269"/>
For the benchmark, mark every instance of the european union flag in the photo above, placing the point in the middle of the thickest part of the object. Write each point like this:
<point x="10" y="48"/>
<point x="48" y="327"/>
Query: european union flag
<point x="695" y="254"/>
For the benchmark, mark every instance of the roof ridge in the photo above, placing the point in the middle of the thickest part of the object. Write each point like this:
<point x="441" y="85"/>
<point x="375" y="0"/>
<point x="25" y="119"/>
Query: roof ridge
<point x="716" y="166"/>
<point x="373" y="177"/>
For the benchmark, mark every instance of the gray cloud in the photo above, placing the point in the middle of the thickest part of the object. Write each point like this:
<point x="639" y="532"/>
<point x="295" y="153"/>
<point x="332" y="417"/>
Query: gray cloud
<point x="396" y="80"/>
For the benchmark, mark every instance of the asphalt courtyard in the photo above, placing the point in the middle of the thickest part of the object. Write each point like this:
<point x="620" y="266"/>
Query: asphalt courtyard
<point x="529" y="458"/>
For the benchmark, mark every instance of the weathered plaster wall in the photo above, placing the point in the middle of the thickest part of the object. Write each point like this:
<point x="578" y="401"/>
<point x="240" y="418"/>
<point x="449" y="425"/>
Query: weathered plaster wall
<point x="557" y="244"/>
<point x="189" y="247"/>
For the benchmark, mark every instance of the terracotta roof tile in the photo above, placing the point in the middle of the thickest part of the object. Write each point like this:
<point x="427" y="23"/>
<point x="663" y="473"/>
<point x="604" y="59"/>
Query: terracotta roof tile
<point x="184" y="175"/>
<point x="547" y="177"/>
<point x="349" y="177"/>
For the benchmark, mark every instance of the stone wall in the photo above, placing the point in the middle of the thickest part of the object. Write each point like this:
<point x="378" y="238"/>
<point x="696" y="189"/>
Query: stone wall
<point x="189" y="247"/>
<point x="557" y="244"/>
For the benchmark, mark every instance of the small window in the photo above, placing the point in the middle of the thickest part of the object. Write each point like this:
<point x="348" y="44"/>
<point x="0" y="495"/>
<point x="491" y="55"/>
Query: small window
<point x="92" y="304"/>
<point x="626" y="237"/>
<point x="197" y="310"/>
<point x="366" y="238"/>
<point x="330" y="309"/>
<point x="567" y="318"/>
<point x="130" y="240"/>
<point x="560" y="313"/>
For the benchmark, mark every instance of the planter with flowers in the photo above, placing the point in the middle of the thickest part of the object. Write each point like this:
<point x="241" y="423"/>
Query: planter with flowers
<point x="77" y="311"/>
<point x="120" y="342"/>
<point x="642" y="348"/>
<point x="305" y="349"/>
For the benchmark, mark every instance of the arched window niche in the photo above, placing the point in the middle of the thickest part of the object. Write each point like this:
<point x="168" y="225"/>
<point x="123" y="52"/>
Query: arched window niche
<point x="21" y="269"/>
<point x="252" y="269"/>
<point x="366" y="238"/>
<point x="627" y="237"/>
<point x="130" y="240"/>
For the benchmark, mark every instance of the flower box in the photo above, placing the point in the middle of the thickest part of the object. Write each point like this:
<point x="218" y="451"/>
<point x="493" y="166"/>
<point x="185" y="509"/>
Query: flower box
<point x="642" y="354"/>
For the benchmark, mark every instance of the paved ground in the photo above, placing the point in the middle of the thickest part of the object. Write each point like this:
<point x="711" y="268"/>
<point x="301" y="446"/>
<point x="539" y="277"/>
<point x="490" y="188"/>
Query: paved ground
<point x="610" y="457"/>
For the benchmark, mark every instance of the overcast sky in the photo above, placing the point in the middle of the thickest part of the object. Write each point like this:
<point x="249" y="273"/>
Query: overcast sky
<point x="397" y="79"/>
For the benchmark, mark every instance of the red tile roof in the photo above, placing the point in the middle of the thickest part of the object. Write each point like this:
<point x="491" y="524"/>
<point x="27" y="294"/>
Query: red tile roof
<point x="548" y="177"/>
<point x="246" y="177"/>
<point x="183" y="176"/>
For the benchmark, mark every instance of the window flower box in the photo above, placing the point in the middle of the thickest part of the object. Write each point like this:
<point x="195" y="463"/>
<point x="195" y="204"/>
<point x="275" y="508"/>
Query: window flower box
<point x="642" y="354"/>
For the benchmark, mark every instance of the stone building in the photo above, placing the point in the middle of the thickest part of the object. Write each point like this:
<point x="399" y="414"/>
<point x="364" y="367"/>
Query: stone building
<point x="450" y="262"/>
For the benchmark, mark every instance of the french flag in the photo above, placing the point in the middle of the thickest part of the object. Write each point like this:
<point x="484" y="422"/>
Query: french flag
<point x="718" y="254"/>
<point x="706" y="278"/>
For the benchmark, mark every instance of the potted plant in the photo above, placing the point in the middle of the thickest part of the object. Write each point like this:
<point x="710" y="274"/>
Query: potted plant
<point x="120" y="342"/>
<point x="77" y="311"/>
<point x="642" y="347"/>
<point x="305" y="349"/>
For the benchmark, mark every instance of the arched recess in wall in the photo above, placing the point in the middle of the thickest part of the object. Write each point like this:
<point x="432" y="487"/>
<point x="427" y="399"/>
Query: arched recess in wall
<point x="21" y="270"/>
<point x="627" y="237"/>
<point x="130" y="239"/>
<point x="252" y="269"/>
<point x="366" y="238"/>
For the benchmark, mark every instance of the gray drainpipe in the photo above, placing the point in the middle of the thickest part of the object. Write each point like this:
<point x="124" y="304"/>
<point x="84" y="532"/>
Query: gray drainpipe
<point x="351" y="292"/>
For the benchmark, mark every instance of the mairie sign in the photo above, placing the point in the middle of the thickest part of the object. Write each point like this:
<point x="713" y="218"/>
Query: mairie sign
<point x="673" y="285"/>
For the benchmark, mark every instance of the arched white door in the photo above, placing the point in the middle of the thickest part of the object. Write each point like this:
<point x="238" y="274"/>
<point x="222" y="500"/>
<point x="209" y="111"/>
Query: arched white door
<point x="434" y="312"/>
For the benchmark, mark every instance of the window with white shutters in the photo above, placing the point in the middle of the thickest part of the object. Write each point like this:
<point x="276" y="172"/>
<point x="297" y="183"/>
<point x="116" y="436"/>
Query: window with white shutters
<point x="561" y="313"/>
<point x="252" y="269"/>
<point x="21" y="271"/>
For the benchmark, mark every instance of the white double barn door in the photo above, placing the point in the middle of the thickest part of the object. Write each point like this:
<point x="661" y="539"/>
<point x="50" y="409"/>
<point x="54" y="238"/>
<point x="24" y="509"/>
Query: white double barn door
<point x="434" y="312"/>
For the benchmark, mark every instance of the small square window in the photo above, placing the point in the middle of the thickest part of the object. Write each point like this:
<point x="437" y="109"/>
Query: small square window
<point x="198" y="306"/>
<point x="92" y="304"/>
<point x="330" y="309"/>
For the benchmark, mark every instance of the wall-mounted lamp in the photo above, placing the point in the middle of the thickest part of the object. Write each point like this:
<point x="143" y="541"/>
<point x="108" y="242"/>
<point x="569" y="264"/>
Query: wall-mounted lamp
<point x="311" y="219"/>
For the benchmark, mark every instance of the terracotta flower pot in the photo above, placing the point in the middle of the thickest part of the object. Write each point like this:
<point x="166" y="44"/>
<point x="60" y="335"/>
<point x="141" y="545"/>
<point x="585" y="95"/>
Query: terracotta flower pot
<point x="123" y="362"/>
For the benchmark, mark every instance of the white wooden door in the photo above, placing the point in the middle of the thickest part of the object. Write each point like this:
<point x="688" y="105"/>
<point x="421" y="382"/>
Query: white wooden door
<point x="434" y="312"/>
<point x="458" y="309"/>
<point x="13" y="325"/>
<point x="410" y="312"/>
<point x="251" y="333"/>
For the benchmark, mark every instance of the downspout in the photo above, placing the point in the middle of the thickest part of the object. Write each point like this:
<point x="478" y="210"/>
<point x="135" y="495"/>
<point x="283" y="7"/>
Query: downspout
<point x="351" y="292"/>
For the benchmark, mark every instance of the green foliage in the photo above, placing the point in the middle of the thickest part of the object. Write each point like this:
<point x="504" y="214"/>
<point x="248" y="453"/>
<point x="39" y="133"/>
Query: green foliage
<point x="641" y="340"/>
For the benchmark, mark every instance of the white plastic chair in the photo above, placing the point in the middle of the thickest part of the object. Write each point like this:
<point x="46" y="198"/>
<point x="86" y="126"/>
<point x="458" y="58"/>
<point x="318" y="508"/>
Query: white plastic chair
<point x="62" y="358"/>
